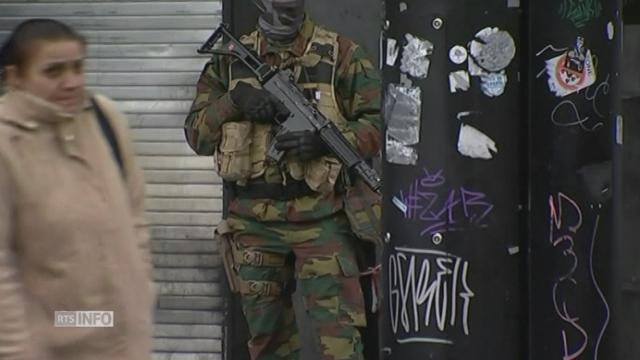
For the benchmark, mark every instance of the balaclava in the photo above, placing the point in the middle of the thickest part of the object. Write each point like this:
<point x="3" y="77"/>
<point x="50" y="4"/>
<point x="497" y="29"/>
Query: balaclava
<point x="281" y="19"/>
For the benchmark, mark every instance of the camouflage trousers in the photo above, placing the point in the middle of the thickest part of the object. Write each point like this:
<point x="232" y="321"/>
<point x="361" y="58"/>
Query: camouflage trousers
<point x="325" y="269"/>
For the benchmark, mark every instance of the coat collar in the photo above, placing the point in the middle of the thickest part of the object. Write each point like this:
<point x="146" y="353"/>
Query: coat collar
<point x="29" y="111"/>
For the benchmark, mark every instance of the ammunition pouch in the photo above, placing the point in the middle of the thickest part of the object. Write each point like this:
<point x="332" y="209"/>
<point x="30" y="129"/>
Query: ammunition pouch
<point x="234" y="152"/>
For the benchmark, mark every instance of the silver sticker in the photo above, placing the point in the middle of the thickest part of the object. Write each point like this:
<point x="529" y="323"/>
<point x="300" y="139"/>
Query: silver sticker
<point x="493" y="49"/>
<point x="415" y="61"/>
<point x="458" y="54"/>
<point x="403" y="6"/>
<point x="402" y="111"/>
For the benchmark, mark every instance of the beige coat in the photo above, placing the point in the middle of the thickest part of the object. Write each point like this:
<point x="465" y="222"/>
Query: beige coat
<point x="72" y="235"/>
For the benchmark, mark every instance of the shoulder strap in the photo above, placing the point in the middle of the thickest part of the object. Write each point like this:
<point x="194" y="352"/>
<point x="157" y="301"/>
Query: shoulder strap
<point x="108" y="133"/>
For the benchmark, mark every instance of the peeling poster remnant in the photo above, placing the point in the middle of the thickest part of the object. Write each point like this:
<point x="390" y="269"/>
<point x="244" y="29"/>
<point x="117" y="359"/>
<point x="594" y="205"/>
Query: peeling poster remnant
<point x="572" y="71"/>
<point x="580" y="12"/>
<point x="459" y="81"/>
<point x="475" y="144"/>
<point x="402" y="112"/>
<point x="415" y="56"/>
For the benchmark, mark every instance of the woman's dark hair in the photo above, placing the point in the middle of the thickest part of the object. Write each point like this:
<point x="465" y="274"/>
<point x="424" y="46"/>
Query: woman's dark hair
<point x="15" y="50"/>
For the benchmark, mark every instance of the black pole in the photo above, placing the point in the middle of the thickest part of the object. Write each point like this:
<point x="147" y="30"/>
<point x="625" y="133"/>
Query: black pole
<point x="574" y="126"/>
<point x="453" y="217"/>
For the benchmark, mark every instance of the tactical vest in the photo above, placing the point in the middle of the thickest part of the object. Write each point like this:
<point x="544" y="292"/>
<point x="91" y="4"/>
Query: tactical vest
<point x="242" y="152"/>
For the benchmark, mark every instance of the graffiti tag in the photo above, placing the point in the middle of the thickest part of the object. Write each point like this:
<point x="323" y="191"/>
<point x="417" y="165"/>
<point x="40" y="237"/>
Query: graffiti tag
<point x="428" y="294"/>
<point x="457" y="209"/>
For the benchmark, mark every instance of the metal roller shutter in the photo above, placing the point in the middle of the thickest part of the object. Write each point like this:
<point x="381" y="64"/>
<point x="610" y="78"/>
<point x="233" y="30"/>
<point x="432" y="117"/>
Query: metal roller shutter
<point x="142" y="54"/>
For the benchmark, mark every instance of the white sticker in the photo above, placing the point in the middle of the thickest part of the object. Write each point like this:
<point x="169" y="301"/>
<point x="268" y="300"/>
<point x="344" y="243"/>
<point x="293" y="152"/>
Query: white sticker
<point x="571" y="71"/>
<point x="474" y="69"/>
<point x="475" y="144"/>
<point x="400" y="205"/>
<point x="392" y="51"/>
<point x="459" y="81"/>
<point x="619" y="130"/>
<point x="403" y="6"/>
<point x="513" y="250"/>
<point x="458" y="54"/>
<point x="611" y="30"/>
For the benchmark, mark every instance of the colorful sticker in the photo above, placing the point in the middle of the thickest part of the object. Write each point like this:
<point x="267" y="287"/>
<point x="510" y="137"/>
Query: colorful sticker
<point x="571" y="71"/>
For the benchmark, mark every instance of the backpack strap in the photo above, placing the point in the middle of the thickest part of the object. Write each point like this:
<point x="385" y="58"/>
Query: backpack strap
<point x="109" y="134"/>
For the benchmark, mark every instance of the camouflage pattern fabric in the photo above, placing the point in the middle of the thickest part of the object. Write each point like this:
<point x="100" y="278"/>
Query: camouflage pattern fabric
<point x="313" y="228"/>
<point x="357" y="86"/>
<point x="326" y="268"/>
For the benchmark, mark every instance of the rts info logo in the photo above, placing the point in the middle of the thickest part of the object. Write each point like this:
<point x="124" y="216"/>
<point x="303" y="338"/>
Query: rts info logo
<point x="93" y="319"/>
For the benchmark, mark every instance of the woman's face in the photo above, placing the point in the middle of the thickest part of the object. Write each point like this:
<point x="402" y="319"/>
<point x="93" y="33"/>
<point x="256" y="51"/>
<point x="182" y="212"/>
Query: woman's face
<point x="54" y="72"/>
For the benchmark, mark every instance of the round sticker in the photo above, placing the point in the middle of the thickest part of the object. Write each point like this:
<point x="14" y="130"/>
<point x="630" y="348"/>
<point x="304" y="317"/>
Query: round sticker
<point x="493" y="49"/>
<point x="458" y="54"/>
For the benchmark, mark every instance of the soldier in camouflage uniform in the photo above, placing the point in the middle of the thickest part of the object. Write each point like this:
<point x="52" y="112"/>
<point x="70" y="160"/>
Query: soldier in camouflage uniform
<point x="295" y="209"/>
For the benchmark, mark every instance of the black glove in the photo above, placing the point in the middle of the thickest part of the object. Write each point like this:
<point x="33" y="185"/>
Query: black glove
<point x="304" y="145"/>
<point x="257" y="104"/>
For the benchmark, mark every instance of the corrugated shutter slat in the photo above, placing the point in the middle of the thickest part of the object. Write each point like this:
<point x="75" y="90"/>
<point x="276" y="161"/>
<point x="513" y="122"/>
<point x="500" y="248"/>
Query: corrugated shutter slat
<point x="143" y="55"/>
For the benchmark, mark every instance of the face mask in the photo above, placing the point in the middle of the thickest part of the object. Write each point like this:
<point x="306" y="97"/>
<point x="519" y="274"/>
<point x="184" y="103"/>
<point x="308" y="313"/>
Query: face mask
<point x="281" y="19"/>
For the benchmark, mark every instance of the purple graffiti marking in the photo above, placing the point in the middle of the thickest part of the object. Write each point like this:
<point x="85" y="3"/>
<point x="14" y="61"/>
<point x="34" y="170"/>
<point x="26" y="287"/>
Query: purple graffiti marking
<point x="453" y="211"/>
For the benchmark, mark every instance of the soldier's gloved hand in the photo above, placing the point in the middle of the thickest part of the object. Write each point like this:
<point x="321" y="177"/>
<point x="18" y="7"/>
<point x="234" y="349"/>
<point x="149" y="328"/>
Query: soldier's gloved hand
<point x="257" y="104"/>
<point x="304" y="145"/>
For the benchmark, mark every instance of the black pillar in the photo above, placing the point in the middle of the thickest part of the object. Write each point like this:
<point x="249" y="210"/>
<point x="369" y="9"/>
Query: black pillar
<point x="454" y="216"/>
<point x="574" y="125"/>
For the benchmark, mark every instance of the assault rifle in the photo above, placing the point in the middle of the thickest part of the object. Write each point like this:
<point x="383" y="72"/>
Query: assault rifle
<point x="302" y="113"/>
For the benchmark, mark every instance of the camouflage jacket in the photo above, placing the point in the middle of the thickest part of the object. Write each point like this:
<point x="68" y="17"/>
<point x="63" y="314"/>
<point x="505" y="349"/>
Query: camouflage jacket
<point x="357" y="87"/>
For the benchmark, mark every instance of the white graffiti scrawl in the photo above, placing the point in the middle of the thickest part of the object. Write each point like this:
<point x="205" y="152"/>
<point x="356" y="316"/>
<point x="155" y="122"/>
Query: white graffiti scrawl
<point x="429" y="293"/>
